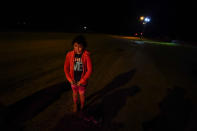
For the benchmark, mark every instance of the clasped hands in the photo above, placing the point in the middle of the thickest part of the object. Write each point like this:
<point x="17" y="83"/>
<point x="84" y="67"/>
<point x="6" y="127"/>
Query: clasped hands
<point x="75" y="83"/>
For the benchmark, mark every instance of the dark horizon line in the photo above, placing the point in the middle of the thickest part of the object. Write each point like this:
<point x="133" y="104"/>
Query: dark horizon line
<point x="164" y="37"/>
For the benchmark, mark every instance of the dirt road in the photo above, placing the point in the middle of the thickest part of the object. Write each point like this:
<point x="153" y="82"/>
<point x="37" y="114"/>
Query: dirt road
<point x="138" y="87"/>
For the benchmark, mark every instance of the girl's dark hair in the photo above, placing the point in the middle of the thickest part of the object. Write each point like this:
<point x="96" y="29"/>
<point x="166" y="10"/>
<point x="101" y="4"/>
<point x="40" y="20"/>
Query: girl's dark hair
<point x="80" y="39"/>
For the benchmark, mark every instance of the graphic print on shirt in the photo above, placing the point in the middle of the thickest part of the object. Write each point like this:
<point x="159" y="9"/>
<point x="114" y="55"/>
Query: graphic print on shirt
<point x="78" y="66"/>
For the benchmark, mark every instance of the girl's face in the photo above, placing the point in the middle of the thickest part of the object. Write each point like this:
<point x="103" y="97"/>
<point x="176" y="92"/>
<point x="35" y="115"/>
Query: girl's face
<point x="78" y="48"/>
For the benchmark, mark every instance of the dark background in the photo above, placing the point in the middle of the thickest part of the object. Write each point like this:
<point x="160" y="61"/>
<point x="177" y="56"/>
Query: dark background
<point x="169" y="19"/>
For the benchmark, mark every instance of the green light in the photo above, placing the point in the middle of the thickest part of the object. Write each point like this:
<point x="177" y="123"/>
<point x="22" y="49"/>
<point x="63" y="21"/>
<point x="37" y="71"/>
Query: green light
<point x="161" y="43"/>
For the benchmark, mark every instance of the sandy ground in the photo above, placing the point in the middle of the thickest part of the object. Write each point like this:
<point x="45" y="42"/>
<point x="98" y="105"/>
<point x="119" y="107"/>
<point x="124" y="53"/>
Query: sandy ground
<point x="138" y="87"/>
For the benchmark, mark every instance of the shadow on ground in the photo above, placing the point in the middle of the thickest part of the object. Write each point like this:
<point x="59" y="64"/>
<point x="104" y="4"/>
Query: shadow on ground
<point x="104" y="107"/>
<point x="14" y="115"/>
<point x="71" y="122"/>
<point x="174" y="115"/>
<point x="193" y="69"/>
<point x="103" y="112"/>
<point x="109" y="106"/>
<point x="116" y="83"/>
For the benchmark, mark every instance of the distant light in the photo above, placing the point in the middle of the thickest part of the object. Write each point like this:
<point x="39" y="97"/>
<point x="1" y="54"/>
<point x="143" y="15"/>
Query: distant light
<point x="142" y="18"/>
<point x="147" y="19"/>
<point x="85" y="27"/>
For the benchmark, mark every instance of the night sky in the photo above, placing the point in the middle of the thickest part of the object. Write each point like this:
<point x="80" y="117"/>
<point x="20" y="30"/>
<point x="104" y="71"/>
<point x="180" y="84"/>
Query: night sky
<point x="174" y="19"/>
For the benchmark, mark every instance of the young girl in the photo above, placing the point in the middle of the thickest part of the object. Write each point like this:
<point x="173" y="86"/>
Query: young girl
<point x="78" y="68"/>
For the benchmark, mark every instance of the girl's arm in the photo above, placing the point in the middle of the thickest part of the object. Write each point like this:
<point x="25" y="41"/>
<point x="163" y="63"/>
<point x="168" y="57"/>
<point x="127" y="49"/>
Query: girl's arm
<point x="67" y="68"/>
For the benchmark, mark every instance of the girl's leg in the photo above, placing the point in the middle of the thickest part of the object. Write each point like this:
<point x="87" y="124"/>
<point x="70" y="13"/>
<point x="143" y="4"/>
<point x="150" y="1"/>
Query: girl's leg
<point x="82" y="100"/>
<point x="82" y="96"/>
<point x="75" y="102"/>
<point x="74" y="88"/>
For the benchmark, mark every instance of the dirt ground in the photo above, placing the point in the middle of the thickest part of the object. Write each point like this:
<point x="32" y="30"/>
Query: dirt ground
<point x="138" y="87"/>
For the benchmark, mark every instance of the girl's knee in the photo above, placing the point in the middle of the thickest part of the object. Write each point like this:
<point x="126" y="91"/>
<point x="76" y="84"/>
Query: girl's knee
<point x="82" y="93"/>
<point x="74" y="92"/>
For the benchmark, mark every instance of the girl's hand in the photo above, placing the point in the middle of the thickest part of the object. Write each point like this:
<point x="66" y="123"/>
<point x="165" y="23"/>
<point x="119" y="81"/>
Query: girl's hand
<point x="73" y="83"/>
<point x="78" y="83"/>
